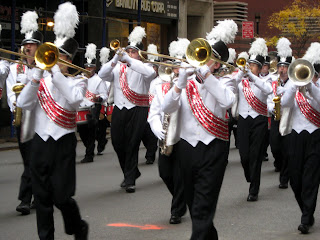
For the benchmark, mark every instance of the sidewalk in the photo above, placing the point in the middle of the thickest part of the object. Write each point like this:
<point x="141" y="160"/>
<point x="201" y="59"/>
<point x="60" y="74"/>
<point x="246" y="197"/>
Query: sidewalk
<point x="8" y="144"/>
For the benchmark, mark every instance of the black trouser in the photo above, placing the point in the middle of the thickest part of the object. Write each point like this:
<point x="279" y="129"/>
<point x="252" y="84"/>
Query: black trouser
<point x="101" y="133"/>
<point x="53" y="181"/>
<point x="25" y="190"/>
<point x="251" y="137"/>
<point x="203" y="168"/>
<point x="279" y="148"/>
<point x="126" y="132"/>
<point x="170" y="173"/>
<point x="150" y="141"/>
<point x="87" y="134"/>
<point x="304" y="171"/>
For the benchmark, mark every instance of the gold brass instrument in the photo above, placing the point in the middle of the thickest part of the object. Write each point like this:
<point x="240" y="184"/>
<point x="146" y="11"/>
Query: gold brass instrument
<point x="301" y="72"/>
<point x="47" y="55"/>
<point x="199" y="52"/>
<point x="165" y="149"/>
<point x="165" y="73"/>
<point x="277" y="104"/>
<point x="273" y="66"/>
<point x="20" y="65"/>
<point x="17" y="112"/>
<point x="241" y="64"/>
<point x="115" y="46"/>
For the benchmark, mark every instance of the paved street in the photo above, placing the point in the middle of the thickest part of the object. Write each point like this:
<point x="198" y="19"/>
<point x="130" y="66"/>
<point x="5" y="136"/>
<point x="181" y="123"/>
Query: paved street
<point x="145" y="213"/>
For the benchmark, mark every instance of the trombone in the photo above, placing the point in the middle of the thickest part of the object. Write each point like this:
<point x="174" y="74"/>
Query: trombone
<point x="46" y="56"/>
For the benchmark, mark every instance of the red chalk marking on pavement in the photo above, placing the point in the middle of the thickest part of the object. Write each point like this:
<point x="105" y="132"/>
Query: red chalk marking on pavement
<point x="144" y="227"/>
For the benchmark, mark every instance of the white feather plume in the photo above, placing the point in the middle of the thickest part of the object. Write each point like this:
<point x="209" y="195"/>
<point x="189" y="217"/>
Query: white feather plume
<point x="173" y="49"/>
<point x="90" y="54"/>
<point x="152" y="49"/>
<point x="283" y="48"/>
<point x="104" y="55"/>
<point x="244" y="55"/>
<point x="183" y="44"/>
<point x="136" y="36"/>
<point x="29" y="23"/>
<point x="232" y="55"/>
<point x="225" y="31"/>
<point x="313" y="53"/>
<point x="259" y="47"/>
<point x="66" y="20"/>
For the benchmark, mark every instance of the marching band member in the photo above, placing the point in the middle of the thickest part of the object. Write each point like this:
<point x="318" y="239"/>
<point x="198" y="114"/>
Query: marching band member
<point x="304" y="149"/>
<point x="252" y="122"/>
<point x="96" y="94"/>
<point x="202" y="150"/>
<point x="149" y="140"/>
<point x="103" y="123"/>
<point x="20" y="73"/>
<point x="54" y="100"/>
<point x="168" y="163"/>
<point x="131" y="80"/>
<point x="265" y="74"/>
<point x="279" y="140"/>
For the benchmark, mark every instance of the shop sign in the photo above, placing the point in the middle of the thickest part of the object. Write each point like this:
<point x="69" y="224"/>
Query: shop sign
<point x="159" y="8"/>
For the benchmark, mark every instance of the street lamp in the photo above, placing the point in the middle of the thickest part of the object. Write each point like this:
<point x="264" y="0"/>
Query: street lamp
<point x="257" y="18"/>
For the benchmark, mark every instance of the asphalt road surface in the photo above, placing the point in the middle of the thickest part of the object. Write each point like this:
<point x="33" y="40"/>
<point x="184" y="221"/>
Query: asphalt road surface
<point x="116" y="215"/>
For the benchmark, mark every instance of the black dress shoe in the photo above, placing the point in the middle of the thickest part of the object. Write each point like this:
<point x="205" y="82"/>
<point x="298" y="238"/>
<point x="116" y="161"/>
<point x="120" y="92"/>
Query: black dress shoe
<point x="283" y="185"/>
<point x="82" y="234"/>
<point x="123" y="184"/>
<point x="252" y="198"/>
<point x="87" y="160"/>
<point x="175" y="219"/>
<point x="130" y="188"/>
<point x="23" y="208"/>
<point x="304" y="228"/>
<point x="99" y="153"/>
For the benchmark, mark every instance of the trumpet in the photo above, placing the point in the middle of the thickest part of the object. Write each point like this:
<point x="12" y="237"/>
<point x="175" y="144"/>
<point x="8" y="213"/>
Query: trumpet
<point x="242" y="64"/>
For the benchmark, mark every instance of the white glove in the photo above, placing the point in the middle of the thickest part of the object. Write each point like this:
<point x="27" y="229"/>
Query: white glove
<point x="203" y="70"/>
<point x="22" y="78"/>
<point x="126" y="58"/>
<point x="55" y="69"/>
<point x="184" y="72"/>
<point x="37" y="74"/>
<point x="158" y="131"/>
<point x="116" y="58"/>
<point x="280" y="90"/>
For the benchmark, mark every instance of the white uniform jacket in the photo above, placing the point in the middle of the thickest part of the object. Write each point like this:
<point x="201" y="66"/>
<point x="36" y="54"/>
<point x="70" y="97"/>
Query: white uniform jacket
<point x="216" y="96"/>
<point x="139" y="75"/>
<point x="299" y="121"/>
<point x="261" y="89"/>
<point x="97" y="87"/>
<point x="68" y="93"/>
<point x="4" y="72"/>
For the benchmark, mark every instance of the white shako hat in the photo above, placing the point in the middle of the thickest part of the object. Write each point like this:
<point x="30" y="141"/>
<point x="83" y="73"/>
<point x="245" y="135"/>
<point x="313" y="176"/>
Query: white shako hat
<point x="104" y="55"/>
<point x="221" y="35"/>
<point x="29" y="27"/>
<point x="90" y="55"/>
<point x="284" y="51"/>
<point x="258" y="52"/>
<point x="152" y="48"/>
<point x="66" y="20"/>
<point x="135" y="38"/>
<point x="313" y="56"/>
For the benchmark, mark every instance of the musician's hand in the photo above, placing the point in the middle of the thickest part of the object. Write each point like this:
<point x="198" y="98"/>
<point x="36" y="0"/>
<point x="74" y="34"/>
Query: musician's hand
<point x="183" y="78"/>
<point x="159" y="132"/>
<point x="38" y="74"/>
<point x="22" y="78"/>
<point x="280" y="90"/>
<point x="55" y="69"/>
<point x="116" y="58"/>
<point x="203" y="71"/>
<point x="126" y="58"/>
